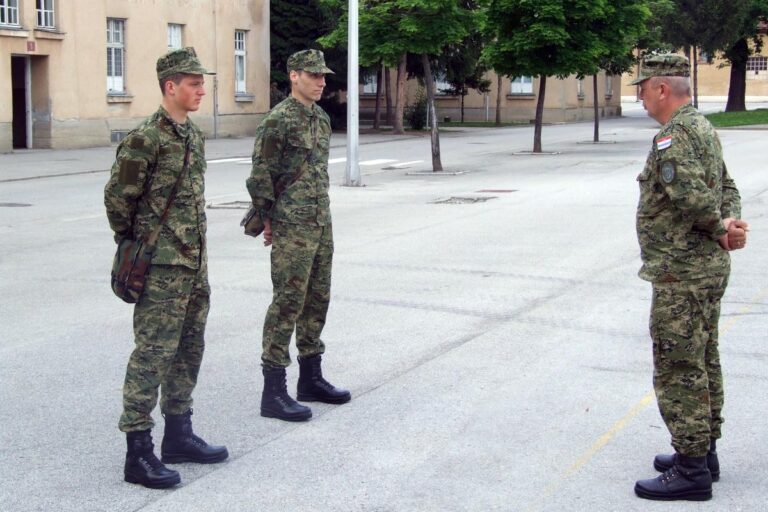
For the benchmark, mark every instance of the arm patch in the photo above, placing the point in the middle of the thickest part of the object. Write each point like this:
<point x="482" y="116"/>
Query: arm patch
<point x="129" y="172"/>
<point x="668" y="171"/>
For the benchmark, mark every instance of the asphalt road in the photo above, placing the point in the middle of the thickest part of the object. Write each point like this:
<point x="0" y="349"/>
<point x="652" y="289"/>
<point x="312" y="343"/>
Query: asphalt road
<point x="489" y="323"/>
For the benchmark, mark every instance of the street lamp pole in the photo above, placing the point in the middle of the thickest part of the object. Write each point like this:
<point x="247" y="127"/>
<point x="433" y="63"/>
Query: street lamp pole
<point x="352" y="175"/>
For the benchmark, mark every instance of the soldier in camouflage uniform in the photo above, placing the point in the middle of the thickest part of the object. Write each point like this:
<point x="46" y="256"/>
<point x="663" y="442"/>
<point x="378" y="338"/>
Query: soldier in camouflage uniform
<point x="169" y="318"/>
<point x="289" y="187"/>
<point x="687" y="221"/>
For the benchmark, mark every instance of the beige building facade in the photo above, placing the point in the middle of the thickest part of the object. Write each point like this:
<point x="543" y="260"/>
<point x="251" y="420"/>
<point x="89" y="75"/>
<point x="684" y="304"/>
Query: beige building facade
<point x="567" y="100"/>
<point x="714" y="78"/>
<point x="81" y="73"/>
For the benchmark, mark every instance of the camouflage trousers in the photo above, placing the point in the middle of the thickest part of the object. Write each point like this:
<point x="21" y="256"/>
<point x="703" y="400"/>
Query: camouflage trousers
<point x="687" y="377"/>
<point x="301" y="291"/>
<point x="169" y="327"/>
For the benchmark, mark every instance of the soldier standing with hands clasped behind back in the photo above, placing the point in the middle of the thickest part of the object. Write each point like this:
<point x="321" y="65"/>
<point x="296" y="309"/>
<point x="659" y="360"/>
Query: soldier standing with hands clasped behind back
<point x="289" y="189"/>
<point x="170" y="316"/>
<point x="687" y="221"/>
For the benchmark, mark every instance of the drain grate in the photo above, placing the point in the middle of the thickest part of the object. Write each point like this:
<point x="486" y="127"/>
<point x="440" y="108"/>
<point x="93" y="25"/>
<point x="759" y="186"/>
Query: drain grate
<point x="232" y="205"/>
<point x="14" y="205"/>
<point x="462" y="200"/>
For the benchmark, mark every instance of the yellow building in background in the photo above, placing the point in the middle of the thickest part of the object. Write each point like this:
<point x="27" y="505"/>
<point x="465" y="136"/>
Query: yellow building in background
<point x="714" y="78"/>
<point x="80" y="73"/>
<point x="567" y="100"/>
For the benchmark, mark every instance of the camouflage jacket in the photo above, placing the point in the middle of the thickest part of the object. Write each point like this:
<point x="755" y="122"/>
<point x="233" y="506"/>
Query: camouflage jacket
<point x="685" y="192"/>
<point x="292" y="140"/>
<point x="147" y="165"/>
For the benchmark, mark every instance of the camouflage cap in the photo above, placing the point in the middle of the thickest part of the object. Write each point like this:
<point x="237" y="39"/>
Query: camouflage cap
<point x="183" y="60"/>
<point x="308" y="60"/>
<point x="666" y="64"/>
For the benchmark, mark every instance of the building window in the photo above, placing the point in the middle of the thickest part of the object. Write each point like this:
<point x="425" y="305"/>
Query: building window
<point x="757" y="63"/>
<point x="442" y="87"/>
<point x="9" y="12"/>
<point x="174" y="36"/>
<point x="45" y="12"/>
<point x="115" y="56"/>
<point x="608" y="85"/>
<point x="580" y="87"/>
<point x="369" y="81"/>
<point x="522" y="85"/>
<point x="239" y="61"/>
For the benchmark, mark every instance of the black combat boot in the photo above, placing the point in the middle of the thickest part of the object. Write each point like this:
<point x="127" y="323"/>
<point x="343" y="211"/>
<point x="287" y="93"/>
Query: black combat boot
<point x="275" y="400"/>
<point x="687" y="479"/>
<point x="665" y="461"/>
<point x="312" y="387"/>
<point x="141" y="465"/>
<point x="180" y="444"/>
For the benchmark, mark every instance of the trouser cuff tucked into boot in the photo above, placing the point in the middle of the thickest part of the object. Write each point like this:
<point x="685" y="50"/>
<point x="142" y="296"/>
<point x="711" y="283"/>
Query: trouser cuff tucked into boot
<point x="312" y="387"/>
<point x="687" y="479"/>
<point x="275" y="400"/>
<point x="180" y="444"/>
<point x="142" y="466"/>
<point x="663" y="462"/>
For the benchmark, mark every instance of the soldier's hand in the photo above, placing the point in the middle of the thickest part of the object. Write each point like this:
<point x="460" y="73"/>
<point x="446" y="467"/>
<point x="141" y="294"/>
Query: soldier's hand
<point x="737" y="234"/>
<point x="267" y="232"/>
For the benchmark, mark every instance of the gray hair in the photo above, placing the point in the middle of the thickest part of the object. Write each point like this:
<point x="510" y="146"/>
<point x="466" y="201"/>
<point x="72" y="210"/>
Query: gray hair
<point x="679" y="85"/>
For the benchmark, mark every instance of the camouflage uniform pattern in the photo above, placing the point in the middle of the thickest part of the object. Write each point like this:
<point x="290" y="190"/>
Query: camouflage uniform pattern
<point x="169" y="319"/>
<point x="685" y="192"/>
<point x="293" y="140"/>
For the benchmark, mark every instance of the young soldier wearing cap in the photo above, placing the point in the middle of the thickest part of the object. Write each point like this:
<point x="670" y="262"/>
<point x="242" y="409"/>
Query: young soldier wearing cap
<point x="289" y="187"/>
<point x="687" y="221"/>
<point x="170" y="316"/>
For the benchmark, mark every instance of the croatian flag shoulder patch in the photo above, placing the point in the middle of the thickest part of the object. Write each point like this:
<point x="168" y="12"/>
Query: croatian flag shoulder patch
<point x="664" y="142"/>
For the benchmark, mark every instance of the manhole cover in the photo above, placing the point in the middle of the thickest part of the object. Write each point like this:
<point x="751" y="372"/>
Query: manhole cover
<point x="462" y="200"/>
<point x="14" y="205"/>
<point x="232" y="205"/>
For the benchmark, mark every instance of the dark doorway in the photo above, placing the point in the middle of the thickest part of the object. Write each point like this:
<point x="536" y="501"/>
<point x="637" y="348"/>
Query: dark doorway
<point x="21" y="107"/>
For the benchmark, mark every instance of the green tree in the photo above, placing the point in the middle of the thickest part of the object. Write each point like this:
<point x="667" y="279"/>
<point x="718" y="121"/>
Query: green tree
<point x="296" y="25"/>
<point x="544" y="38"/>
<point x="463" y="70"/>
<point x="390" y="29"/>
<point x="736" y="49"/>
<point x="624" y="23"/>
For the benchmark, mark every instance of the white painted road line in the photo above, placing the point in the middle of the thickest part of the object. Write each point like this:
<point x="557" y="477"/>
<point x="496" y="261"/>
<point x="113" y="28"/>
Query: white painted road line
<point x="404" y="164"/>
<point x="377" y="162"/>
<point x="336" y="160"/>
<point x="227" y="160"/>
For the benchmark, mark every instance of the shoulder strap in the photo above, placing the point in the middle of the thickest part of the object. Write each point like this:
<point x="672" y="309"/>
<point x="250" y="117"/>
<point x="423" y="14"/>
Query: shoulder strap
<point x="152" y="240"/>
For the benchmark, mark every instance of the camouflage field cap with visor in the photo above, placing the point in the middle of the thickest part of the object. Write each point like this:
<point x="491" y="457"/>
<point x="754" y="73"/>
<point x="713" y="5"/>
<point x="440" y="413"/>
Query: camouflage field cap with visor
<point x="312" y="61"/>
<point x="183" y="60"/>
<point x="666" y="64"/>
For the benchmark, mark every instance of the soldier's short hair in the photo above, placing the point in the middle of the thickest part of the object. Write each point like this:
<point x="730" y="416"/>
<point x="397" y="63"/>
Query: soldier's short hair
<point x="175" y="78"/>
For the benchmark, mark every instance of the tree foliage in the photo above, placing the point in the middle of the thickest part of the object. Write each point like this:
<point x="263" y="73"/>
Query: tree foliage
<point x="545" y="38"/>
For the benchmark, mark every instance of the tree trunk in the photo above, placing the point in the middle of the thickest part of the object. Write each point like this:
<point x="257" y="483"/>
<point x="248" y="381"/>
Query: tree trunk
<point x="695" y="61"/>
<point x="737" y="89"/>
<point x="596" y="137"/>
<point x="539" y="114"/>
<point x="377" y="110"/>
<point x="388" y="91"/>
<point x="437" y="165"/>
<point x="463" y="95"/>
<point x="498" y="101"/>
<point x="400" y="97"/>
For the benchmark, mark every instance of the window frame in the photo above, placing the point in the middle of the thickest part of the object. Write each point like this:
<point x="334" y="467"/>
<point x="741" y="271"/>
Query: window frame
<point x="46" y="17"/>
<point x="173" y="30"/>
<point x="9" y="11"/>
<point x="757" y="63"/>
<point x="522" y="85"/>
<point x="241" y="61"/>
<point x="115" y="81"/>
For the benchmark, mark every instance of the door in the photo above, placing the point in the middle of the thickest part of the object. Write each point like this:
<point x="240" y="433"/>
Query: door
<point x="21" y="82"/>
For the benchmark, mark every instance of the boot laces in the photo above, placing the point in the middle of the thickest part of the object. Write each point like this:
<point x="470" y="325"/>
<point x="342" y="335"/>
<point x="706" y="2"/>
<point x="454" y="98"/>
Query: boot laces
<point x="150" y="462"/>
<point x="670" y="475"/>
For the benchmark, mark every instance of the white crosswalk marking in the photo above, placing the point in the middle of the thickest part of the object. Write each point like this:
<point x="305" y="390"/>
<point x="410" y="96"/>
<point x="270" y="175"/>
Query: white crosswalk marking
<point x="377" y="162"/>
<point x="227" y="160"/>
